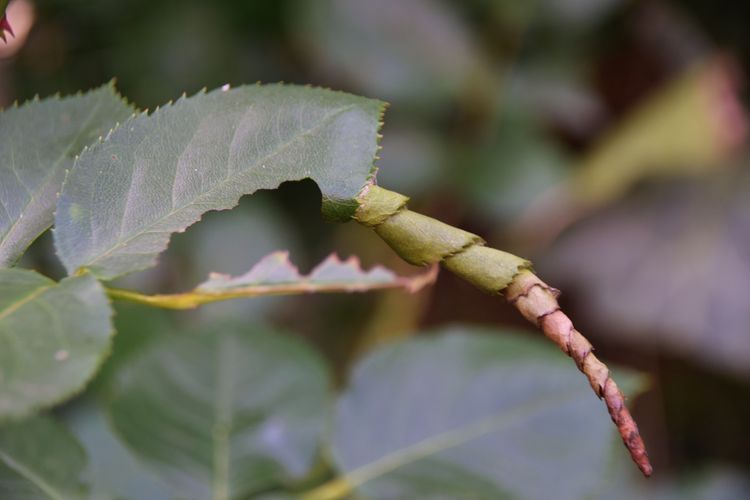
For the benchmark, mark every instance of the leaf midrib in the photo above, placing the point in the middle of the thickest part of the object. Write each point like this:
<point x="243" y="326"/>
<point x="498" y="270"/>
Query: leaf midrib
<point x="27" y="473"/>
<point x="324" y="121"/>
<point x="433" y="445"/>
<point x="14" y="306"/>
<point x="222" y="428"/>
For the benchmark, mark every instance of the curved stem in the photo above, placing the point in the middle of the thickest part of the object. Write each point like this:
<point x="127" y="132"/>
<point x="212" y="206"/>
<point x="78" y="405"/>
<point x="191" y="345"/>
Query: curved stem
<point x="186" y="300"/>
<point x="421" y="240"/>
<point x="193" y="299"/>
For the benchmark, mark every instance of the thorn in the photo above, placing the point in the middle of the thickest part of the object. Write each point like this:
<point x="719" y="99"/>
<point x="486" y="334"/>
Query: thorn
<point x="5" y="26"/>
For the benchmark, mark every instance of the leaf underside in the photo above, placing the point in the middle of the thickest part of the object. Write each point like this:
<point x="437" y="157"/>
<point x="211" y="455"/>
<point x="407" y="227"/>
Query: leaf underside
<point x="224" y="412"/>
<point x="510" y="418"/>
<point x="38" y="142"/>
<point x="157" y="174"/>
<point x="53" y="336"/>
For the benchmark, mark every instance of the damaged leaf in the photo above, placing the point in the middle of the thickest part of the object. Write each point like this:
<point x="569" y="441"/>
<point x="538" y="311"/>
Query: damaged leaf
<point x="276" y="275"/>
<point x="165" y="170"/>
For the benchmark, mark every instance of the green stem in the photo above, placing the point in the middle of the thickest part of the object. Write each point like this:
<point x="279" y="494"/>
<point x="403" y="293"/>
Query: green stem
<point x="422" y="240"/>
<point x="166" y="301"/>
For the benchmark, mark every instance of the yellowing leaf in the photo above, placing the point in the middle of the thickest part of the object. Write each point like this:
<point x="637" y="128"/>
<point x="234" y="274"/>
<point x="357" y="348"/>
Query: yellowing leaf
<point x="276" y="275"/>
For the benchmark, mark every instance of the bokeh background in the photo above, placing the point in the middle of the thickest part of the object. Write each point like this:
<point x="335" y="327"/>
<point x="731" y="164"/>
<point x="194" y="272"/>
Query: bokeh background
<point x="604" y="139"/>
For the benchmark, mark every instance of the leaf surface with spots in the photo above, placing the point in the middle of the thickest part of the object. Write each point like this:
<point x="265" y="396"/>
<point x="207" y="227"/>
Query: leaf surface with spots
<point x="53" y="337"/>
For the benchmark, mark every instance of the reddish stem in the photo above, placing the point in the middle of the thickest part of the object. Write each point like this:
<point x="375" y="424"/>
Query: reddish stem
<point x="537" y="302"/>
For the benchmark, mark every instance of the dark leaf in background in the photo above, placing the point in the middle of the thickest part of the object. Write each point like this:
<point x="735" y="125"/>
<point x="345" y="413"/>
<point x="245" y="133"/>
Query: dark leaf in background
<point x="577" y="13"/>
<point x="468" y="415"/>
<point x="668" y="268"/>
<point x="520" y="163"/>
<point x="717" y="482"/>
<point x="399" y="50"/>
<point x="112" y="472"/>
<point x="411" y="160"/>
<point x="227" y="411"/>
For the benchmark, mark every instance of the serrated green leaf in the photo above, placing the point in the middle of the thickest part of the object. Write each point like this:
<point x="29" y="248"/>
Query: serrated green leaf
<point x="38" y="142"/>
<point x="39" y="459"/>
<point x="492" y="416"/>
<point x="225" y="412"/>
<point x="53" y="336"/>
<point x="156" y="175"/>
